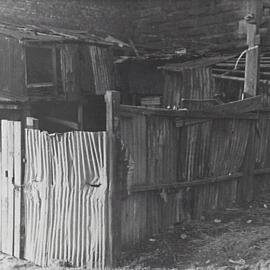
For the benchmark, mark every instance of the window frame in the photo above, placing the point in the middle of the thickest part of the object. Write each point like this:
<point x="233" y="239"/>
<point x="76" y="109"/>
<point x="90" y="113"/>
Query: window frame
<point x="52" y="84"/>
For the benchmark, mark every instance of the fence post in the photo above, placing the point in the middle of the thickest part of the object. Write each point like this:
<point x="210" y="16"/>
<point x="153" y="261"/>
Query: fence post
<point x="80" y="116"/>
<point x="113" y="249"/>
<point x="26" y="111"/>
<point x="246" y="182"/>
<point x="252" y="66"/>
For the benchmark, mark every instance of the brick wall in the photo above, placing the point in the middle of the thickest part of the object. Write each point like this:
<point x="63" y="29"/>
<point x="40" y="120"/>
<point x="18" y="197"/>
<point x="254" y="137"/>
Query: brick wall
<point x="199" y="23"/>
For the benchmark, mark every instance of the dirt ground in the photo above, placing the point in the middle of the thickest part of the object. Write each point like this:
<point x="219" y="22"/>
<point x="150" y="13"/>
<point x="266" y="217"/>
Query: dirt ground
<point x="236" y="238"/>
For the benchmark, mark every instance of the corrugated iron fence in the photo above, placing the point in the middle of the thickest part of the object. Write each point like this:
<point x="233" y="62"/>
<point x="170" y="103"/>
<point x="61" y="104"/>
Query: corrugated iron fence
<point x="65" y="198"/>
<point x="56" y="192"/>
<point x="82" y="200"/>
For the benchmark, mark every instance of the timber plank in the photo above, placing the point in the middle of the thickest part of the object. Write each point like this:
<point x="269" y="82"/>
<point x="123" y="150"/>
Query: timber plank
<point x="253" y="54"/>
<point x="242" y="106"/>
<point x="4" y="189"/>
<point x="10" y="191"/>
<point x="184" y="113"/>
<point x="17" y="191"/>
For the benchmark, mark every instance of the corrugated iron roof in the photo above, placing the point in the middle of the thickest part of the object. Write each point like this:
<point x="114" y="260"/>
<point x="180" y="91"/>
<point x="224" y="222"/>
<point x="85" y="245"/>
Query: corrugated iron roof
<point x="32" y="33"/>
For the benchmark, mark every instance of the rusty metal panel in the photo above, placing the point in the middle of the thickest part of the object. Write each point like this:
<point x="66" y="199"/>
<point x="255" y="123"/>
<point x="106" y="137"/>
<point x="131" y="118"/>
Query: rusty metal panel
<point x="103" y="69"/>
<point x="190" y="83"/>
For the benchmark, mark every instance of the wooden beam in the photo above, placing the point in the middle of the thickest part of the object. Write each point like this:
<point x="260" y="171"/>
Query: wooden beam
<point x="256" y="103"/>
<point x="40" y="85"/>
<point x="129" y="111"/>
<point x="180" y="185"/>
<point x="24" y="114"/>
<point x="151" y="101"/>
<point x="228" y="77"/>
<point x="62" y="122"/>
<point x="113" y="249"/>
<point x="17" y="189"/>
<point x="195" y="182"/>
<point x="241" y="65"/>
<point x="80" y="116"/>
<point x="32" y="123"/>
<point x="185" y="122"/>
<point x="54" y="69"/>
<point x="236" y="71"/>
<point x="262" y="171"/>
<point x="253" y="54"/>
<point x="4" y="106"/>
<point x="198" y="104"/>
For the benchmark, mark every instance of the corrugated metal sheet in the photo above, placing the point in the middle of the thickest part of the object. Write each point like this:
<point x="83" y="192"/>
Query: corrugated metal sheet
<point x="190" y="83"/>
<point x="65" y="217"/>
<point x="103" y="69"/>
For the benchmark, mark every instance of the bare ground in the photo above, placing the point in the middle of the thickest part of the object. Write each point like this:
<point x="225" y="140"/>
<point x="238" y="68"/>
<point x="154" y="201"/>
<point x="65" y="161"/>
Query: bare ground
<point x="236" y="238"/>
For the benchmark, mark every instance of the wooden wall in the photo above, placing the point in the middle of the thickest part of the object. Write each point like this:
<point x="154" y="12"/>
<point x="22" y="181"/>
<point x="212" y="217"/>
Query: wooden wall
<point x="262" y="153"/>
<point x="189" y="83"/>
<point x="12" y="76"/>
<point x="80" y="70"/>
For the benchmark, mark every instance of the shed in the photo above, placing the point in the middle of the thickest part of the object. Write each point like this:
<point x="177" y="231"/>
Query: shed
<point x="61" y="73"/>
<point x="189" y="80"/>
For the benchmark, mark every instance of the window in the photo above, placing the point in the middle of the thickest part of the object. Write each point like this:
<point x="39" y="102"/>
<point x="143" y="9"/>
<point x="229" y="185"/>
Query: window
<point x="39" y="66"/>
<point x="43" y="67"/>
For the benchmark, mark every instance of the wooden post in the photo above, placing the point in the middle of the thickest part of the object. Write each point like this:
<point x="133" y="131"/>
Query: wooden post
<point x="252" y="67"/>
<point x="246" y="182"/>
<point x="80" y="116"/>
<point x="24" y="114"/>
<point x="32" y="123"/>
<point x="112" y="99"/>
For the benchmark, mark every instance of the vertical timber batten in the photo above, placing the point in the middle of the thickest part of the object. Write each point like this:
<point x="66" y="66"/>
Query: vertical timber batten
<point x="112" y="99"/>
<point x="246" y="182"/>
<point x="24" y="114"/>
<point x="252" y="66"/>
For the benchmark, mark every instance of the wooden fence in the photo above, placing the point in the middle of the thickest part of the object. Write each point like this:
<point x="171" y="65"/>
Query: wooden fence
<point x="84" y="196"/>
<point x="186" y="164"/>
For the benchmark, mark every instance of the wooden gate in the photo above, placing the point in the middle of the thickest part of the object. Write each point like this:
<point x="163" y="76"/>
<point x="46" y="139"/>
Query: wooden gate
<point x="10" y="193"/>
<point x="65" y="198"/>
